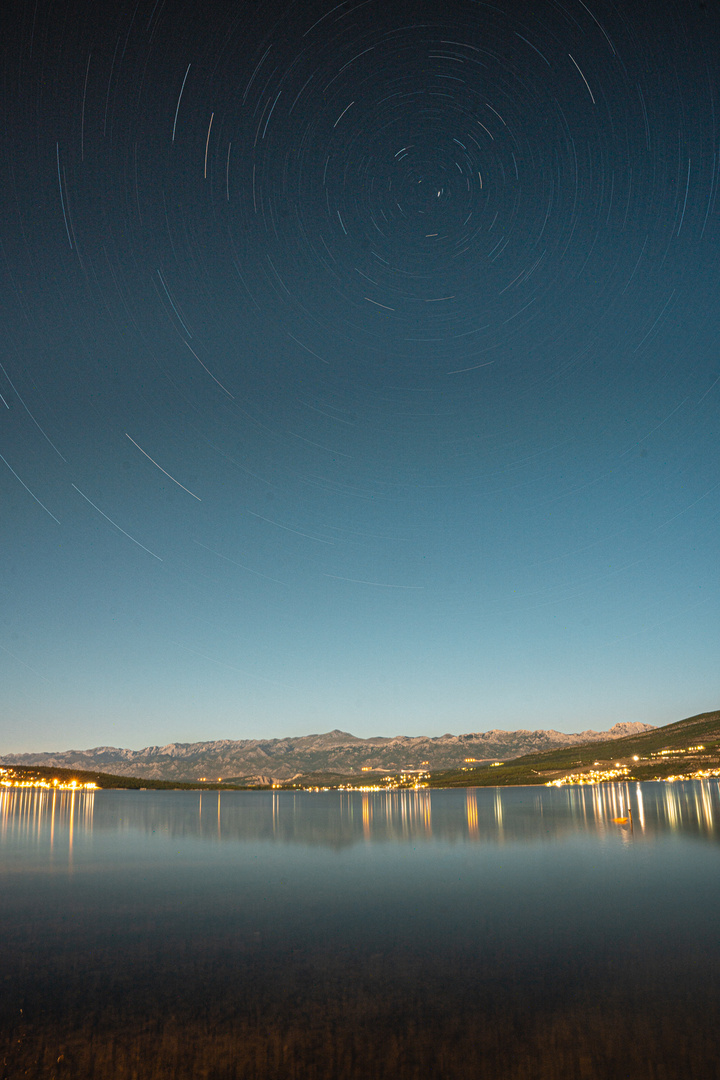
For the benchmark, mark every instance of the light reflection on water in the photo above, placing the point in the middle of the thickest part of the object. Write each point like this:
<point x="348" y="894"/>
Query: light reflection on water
<point x="39" y="814"/>
<point x="55" y="819"/>
<point x="346" y="935"/>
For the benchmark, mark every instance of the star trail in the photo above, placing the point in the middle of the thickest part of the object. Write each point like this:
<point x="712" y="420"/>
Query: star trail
<point x="360" y="368"/>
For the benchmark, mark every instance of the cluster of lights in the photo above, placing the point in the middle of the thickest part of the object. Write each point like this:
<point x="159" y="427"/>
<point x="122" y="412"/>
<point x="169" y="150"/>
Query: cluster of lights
<point x="699" y="774"/>
<point x="9" y="780"/>
<point x="595" y="776"/>
<point x="666" y="753"/>
<point x="414" y="779"/>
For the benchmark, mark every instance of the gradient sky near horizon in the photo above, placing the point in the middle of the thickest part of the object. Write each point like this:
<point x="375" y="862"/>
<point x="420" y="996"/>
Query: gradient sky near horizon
<point x="361" y="368"/>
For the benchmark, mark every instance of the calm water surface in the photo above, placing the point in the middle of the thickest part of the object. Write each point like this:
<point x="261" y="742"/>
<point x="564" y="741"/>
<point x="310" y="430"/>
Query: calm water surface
<point x="490" y="932"/>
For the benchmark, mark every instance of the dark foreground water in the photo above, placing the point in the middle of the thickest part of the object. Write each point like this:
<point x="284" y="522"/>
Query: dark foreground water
<point x="516" y="933"/>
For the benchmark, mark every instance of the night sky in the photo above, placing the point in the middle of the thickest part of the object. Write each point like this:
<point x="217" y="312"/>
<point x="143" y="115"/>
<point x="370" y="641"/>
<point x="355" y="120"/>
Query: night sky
<point x="360" y="368"/>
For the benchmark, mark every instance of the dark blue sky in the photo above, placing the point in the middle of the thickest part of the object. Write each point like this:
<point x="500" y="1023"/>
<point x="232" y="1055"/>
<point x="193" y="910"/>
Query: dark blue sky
<point x="360" y="368"/>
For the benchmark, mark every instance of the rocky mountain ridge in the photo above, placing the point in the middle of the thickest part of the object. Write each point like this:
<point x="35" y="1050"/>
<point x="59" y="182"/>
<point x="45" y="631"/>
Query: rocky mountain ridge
<point x="333" y="751"/>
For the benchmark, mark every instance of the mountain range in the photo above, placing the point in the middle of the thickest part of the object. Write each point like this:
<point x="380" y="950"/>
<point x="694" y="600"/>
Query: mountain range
<point x="273" y="760"/>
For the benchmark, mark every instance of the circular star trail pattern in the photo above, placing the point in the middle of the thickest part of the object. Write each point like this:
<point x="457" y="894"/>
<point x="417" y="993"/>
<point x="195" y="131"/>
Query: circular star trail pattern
<point x="360" y="368"/>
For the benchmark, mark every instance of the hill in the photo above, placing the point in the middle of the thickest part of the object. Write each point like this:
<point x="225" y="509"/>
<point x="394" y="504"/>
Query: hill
<point x="252" y="761"/>
<point x="37" y="776"/>
<point x="682" y="748"/>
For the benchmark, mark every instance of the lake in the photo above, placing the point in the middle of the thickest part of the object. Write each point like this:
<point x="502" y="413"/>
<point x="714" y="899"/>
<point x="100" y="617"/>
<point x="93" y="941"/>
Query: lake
<point x="501" y="933"/>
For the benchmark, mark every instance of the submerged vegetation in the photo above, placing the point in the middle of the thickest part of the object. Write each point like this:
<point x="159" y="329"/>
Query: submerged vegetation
<point x="386" y="1017"/>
